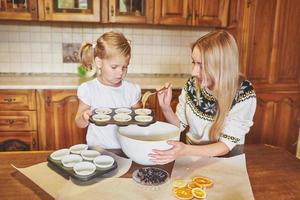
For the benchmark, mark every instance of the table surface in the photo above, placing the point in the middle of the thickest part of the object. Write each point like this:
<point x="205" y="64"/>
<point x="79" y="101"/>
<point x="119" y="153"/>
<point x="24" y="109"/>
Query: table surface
<point x="274" y="173"/>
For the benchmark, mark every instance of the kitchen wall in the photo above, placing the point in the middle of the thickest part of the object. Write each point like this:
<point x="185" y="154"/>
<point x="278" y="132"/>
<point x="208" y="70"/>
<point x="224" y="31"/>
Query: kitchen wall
<point x="34" y="47"/>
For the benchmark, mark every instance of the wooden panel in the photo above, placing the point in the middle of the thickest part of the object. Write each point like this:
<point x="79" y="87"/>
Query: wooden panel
<point x="287" y="46"/>
<point x="210" y="8"/>
<point x="57" y="110"/>
<point x="17" y="120"/>
<point x="168" y="12"/>
<point x="17" y="100"/>
<point x="10" y="141"/>
<point x="173" y="7"/>
<point x="261" y="40"/>
<point x="234" y="13"/>
<point x="211" y="12"/>
<point x="276" y="120"/>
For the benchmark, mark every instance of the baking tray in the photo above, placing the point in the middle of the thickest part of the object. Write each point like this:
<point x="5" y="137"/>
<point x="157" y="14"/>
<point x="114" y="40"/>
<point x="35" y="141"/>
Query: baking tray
<point x="112" y="121"/>
<point x="67" y="172"/>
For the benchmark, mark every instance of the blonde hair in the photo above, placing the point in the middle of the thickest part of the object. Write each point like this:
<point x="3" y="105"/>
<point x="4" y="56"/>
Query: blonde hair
<point x="109" y="44"/>
<point x="219" y="54"/>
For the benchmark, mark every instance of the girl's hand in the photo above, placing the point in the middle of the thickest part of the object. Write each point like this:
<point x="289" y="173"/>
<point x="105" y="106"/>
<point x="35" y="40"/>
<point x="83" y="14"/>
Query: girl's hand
<point x="86" y="115"/>
<point x="165" y="156"/>
<point x="165" y="96"/>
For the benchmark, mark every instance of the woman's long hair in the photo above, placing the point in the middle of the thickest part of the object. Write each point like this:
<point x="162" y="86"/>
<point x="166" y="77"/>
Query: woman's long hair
<point x="220" y="60"/>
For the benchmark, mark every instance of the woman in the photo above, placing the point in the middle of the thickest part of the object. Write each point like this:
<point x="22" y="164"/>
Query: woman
<point x="216" y="103"/>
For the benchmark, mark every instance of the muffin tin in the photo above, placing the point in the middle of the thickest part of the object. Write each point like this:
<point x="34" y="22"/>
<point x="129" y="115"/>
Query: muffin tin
<point x="63" y="169"/>
<point x="122" y="116"/>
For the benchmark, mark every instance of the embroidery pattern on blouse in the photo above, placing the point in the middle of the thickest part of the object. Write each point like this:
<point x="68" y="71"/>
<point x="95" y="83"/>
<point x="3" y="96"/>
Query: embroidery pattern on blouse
<point x="205" y="105"/>
<point x="230" y="138"/>
<point x="246" y="91"/>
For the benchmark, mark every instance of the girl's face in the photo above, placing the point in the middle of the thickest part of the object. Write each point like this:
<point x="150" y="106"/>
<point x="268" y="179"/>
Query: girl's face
<point x="113" y="70"/>
<point x="198" y="71"/>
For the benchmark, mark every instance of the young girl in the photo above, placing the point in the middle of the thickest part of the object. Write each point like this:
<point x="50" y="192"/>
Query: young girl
<point x="111" y="55"/>
<point x="216" y="104"/>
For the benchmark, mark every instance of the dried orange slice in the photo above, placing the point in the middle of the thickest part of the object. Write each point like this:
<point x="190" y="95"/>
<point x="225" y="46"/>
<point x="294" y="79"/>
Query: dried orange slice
<point x="179" y="183"/>
<point x="191" y="185"/>
<point x="184" y="193"/>
<point x="201" y="181"/>
<point x="199" y="193"/>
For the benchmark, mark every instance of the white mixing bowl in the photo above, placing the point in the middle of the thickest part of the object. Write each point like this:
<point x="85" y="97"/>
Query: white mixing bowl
<point x="137" y="141"/>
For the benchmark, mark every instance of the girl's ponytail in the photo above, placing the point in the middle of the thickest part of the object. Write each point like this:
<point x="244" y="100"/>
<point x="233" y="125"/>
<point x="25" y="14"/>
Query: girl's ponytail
<point x="86" y="54"/>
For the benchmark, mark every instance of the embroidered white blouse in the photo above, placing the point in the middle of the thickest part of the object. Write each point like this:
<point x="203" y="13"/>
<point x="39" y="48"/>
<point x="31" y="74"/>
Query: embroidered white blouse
<point x="198" y="113"/>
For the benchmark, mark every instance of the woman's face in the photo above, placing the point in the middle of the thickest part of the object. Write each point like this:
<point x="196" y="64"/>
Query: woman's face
<point x="113" y="70"/>
<point x="198" y="71"/>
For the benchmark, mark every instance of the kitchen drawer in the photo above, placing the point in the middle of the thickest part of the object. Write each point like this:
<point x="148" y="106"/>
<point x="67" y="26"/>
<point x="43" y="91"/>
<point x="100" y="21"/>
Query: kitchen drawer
<point x="18" y="141"/>
<point x="18" y="121"/>
<point x="17" y="100"/>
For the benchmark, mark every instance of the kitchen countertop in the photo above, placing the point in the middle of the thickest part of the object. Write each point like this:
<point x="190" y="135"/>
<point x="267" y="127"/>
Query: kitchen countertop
<point x="72" y="81"/>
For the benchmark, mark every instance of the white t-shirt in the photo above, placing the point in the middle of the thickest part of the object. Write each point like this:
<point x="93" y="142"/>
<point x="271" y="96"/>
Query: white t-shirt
<point x="198" y="113"/>
<point x="93" y="93"/>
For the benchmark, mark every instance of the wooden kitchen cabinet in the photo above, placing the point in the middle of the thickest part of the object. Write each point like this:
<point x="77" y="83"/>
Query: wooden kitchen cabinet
<point x="79" y="11"/>
<point x="128" y="11"/>
<point x="276" y="120"/>
<point x="268" y="37"/>
<point x="18" y="120"/>
<point x="57" y="110"/>
<point x="18" y="10"/>
<point x="211" y="13"/>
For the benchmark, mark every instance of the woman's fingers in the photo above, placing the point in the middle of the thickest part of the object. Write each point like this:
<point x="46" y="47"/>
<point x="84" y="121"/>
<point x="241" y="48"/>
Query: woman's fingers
<point x="161" y="162"/>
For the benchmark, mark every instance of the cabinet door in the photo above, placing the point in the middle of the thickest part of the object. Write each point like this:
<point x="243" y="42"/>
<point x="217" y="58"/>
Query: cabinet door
<point x="18" y="10"/>
<point x="128" y="11"/>
<point x="211" y="12"/>
<point x="276" y="121"/>
<point x="57" y="110"/>
<point x="58" y="10"/>
<point x="173" y="12"/>
<point x="272" y="52"/>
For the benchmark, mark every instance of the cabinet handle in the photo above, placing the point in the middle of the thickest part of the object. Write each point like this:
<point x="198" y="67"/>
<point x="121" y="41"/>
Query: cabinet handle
<point x="112" y="11"/>
<point x="249" y="3"/>
<point x="11" y="121"/>
<point x="47" y="8"/>
<point x="9" y="100"/>
<point x="33" y="142"/>
<point x="196" y="14"/>
<point x="48" y="100"/>
<point x="189" y="16"/>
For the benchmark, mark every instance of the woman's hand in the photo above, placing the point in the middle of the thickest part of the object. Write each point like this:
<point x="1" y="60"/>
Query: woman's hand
<point x="165" y="96"/>
<point x="165" y="156"/>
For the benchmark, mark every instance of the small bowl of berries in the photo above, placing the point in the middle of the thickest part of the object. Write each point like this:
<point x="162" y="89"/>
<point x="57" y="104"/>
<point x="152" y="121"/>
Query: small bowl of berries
<point x="151" y="177"/>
